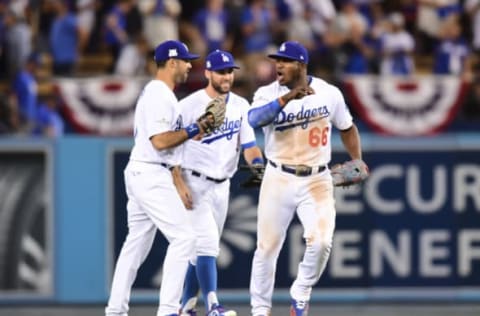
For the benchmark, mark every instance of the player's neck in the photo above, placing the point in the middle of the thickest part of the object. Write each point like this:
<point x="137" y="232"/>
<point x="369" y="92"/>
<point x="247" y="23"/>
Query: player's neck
<point x="300" y="81"/>
<point x="212" y="93"/>
<point x="166" y="78"/>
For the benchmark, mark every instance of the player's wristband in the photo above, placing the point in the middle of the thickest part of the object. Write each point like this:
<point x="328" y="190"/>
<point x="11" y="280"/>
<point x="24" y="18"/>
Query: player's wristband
<point x="257" y="160"/>
<point x="192" y="130"/>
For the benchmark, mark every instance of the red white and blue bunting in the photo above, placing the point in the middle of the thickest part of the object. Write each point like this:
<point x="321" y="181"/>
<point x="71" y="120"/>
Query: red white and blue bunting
<point x="403" y="106"/>
<point x="406" y="106"/>
<point x="100" y="105"/>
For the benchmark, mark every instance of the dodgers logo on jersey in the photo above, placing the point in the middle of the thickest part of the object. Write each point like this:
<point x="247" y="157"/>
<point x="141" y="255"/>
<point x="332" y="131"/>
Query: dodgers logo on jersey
<point x="302" y="118"/>
<point x="226" y="130"/>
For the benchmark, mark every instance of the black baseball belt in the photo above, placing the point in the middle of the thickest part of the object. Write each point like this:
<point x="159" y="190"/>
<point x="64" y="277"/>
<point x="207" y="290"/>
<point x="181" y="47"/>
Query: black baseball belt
<point x="298" y="170"/>
<point x="163" y="164"/>
<point x="200" y="175"/>
<point x="166" y="165"/>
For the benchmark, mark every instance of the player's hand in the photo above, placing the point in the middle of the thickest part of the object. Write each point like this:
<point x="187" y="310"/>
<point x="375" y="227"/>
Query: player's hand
<point x="200" y="135"/>
<point x="182" y="188"/>
<point x="298" y="93"/>
<point x="255" y="179"/>
<point x="185" y="195"/>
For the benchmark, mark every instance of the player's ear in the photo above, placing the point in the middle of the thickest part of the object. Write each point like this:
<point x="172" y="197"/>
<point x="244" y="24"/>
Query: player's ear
<point x="171" y="63"/>
<point x="208" y="74"/>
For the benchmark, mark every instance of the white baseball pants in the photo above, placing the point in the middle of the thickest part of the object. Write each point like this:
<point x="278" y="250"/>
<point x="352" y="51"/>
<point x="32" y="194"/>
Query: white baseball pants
<point x="210" y="206"/>
<point x="281" y="196"/>
<point x="153" y="203"/>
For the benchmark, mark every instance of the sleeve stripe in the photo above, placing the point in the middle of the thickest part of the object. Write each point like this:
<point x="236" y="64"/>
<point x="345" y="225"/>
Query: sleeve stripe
<point x="249" y="145"/>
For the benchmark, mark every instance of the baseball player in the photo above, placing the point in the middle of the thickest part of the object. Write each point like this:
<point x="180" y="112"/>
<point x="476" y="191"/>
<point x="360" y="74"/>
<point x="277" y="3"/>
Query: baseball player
<point x="153" y="201"/>
<point x="296" y="112"/>
<point x="208" y="165"/>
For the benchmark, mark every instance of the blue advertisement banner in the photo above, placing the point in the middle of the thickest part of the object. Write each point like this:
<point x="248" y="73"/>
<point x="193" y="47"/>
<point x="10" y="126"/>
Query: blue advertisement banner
<point x="413" y="224"/>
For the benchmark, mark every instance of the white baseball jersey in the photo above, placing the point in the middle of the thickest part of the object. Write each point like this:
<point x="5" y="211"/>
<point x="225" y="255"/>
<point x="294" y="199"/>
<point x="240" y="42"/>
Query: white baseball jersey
<point x="214" y="155"/>
<point x="153" y="204"/>
<point x="300" y="134"/>
<point x="157" y="111"/>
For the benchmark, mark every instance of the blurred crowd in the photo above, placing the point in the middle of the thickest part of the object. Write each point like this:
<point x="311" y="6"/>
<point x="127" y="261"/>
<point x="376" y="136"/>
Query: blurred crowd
<point x="401" y="37"/>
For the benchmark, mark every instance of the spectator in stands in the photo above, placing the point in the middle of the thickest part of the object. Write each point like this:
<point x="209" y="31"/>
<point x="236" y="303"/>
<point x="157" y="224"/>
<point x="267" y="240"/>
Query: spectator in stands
<point x="347" y="36"/>
<point x="471" y="107"/>
<point x="367" y="8"/>
<point x="46" y="15"/>
<point x="48" y="122"/>
<point x="3" y="69"/>
<point x="397" y="47"/>
<point x="8" y="115"/>
<point x="212" y="23"/>
<point x="379" y="27"/>
<point x="18" y="42"/>
<point x="299" y="26"/>
<point x="66" y="38"/>
<point x="19" y="7"/>
<point x="259" y="27"/>
<point x="430" y="14"/>
<point x="116" y="35"/>
<point x="452" y="54"/>
<point x="472" y="8"/>
<point x="308" y="20"/>
<point x="408" y="8"/>
<point x="86" y="16"/>
<point x="25" y="89"/>
<point x="160" y="15"/>
<point x="134" y="21"/>
<point x="132" y="60"/>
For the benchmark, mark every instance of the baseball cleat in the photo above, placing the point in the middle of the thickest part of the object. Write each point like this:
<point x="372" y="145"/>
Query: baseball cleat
<point x="218" y="310"/>
<point x="230" y="313"/>
<point x="299" y="308"/>
<point x="190" y="312"/>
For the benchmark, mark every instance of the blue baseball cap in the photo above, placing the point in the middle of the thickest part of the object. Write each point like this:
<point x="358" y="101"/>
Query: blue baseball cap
<point x="292" y="50"/>
<point x="173" y="49"/>
<point x="219" y="59"/>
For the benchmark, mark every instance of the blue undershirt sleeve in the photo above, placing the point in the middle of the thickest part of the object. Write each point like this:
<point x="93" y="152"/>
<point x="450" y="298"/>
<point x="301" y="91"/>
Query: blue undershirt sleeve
<point x="264" y="115"/>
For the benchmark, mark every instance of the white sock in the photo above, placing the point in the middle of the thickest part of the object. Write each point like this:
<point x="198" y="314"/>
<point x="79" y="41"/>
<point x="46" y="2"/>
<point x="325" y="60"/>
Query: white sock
<point x="212" y="299"/>
<point x="191" y="303"/>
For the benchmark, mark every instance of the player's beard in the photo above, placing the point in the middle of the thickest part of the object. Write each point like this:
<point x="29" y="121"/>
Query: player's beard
<point x="181" y="72"/>
<point x="222" y="87"/>
<point x="294" y="78"/>
<point x="181" y="77"/>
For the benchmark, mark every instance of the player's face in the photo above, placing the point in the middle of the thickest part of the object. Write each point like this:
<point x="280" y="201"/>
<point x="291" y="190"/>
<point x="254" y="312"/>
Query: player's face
<point x="182" y="69"/>
<point x="221" y="80"/>
<point x="288" y="71"/>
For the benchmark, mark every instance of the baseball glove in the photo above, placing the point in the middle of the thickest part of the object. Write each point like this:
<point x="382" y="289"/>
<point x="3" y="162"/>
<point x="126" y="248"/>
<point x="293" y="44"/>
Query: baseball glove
<point x="214" y="115"/>
<point x="256" y="177"/>
<point x="349" y="173"/>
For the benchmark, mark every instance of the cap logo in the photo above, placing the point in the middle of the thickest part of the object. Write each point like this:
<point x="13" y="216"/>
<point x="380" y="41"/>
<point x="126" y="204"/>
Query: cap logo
<point x="209" y="64"/>
<point x="172" y="52"/>
<point x="225" y="58"/>
<point x="282" y="48"/>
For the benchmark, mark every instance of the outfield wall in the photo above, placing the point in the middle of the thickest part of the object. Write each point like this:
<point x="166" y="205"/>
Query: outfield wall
<point x="411" y="233"/>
